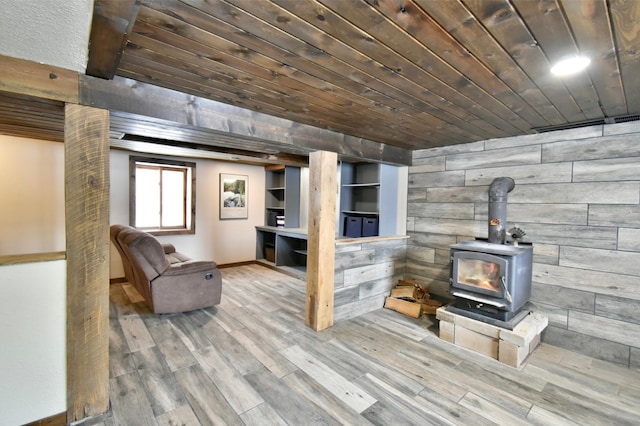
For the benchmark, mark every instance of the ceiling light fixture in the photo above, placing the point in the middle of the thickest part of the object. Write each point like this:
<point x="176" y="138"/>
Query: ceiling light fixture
<point x="570" y="66"/>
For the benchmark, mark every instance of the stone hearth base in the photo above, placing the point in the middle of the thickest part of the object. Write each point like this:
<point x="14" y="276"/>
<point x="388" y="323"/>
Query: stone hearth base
<point x="510" y="347"/>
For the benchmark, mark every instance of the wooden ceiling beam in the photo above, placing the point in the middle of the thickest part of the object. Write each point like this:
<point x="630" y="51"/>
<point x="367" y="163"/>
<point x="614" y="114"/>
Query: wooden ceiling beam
<point x="265" y="131"/>
<point x="39" y="80"/>
<point x="112" y="22"/>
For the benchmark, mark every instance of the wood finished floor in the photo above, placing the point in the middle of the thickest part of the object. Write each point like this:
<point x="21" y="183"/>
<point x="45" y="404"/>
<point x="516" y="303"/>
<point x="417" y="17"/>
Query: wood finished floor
<point x="251" y="360"/>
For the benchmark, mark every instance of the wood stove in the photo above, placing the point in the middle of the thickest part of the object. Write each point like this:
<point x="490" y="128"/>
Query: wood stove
<point x="491" y="280"/>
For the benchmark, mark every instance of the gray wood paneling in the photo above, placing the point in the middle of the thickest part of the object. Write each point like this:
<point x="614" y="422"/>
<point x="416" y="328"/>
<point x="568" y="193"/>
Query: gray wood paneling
<point x="618" y="146"/>
<point x="435" y="179"/>
<point x="618" y="169"/>
<point x="458" y="194"/>
<point x="435" y="240"/>
<point x="421" y="254"/>
<point x="427" y="164"/>
<point x="546" y="253"/>
<point x="619" y="262"/>
<point x="588" y="280"/>
<point x="629" y="239"/>
<point x="605" y="328"/>
<point x="558" y="317"/>
<point x="428" y="270"/>
<point x="504" y="157"/>
<point x="573" y="134"/>
<point x="451" y="226"/>
<point x="607" y="215"/>
<point x="572" y="235"/>
<point x="617" y="308"/>
<point x="437" y="210"/>
<point x="578" y="203"/>
<point x="416" y="195"/>
<point x="534" y="173"/>
<point x="588" y="345"/>
<point x="448" y="150"/>
<point x="358" y="275"/>
<point x="593" y="192"/>
<point x="349" y="260"/>
<point x="622" y="128"/>
<point x="563" y="297"/>
<point x="570" y="214"/>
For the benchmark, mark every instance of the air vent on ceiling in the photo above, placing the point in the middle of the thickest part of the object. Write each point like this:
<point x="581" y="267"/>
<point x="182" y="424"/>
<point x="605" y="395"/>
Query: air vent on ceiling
<point x="586" y="123"/>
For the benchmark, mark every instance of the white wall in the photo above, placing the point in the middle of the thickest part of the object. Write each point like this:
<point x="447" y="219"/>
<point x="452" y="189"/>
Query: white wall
<point x="32" y="194"/>
<point x="33" y="334"/>
<point x="224" y="241"/>
<point x="52" y="32"/>
<point x="32" y="295"/>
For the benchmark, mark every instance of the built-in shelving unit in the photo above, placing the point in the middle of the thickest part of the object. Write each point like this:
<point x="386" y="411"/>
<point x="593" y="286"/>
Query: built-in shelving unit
<point x="283" y="249"/>
<point x="368" y="199"/>
<point x="282" y="197"/>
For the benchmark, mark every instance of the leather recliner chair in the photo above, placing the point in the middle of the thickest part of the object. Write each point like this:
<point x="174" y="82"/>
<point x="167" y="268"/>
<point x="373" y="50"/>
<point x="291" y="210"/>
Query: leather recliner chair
<point x="169" y="281"/>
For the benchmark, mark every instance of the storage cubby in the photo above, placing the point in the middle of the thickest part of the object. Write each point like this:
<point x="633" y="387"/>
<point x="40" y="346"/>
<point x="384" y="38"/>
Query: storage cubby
<point x="282" y="249"/>
<point x="282" y="195"/>
<point x="368" y="199"/>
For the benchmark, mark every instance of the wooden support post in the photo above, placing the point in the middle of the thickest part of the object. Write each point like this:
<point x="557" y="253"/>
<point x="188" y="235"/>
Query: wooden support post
<point x="321" y="243"/>
<point x="86" y="138"/>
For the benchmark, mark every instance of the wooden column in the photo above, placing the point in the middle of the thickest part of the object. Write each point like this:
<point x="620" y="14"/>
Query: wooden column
<point x="86" y="138"/>
<point x="321" y="245"/>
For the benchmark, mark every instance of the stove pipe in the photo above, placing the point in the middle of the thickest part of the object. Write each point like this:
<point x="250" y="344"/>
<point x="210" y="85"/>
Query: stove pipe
<point x="498" y="208"/>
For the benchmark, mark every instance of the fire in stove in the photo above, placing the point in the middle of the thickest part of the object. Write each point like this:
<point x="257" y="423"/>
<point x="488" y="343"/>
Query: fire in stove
<point x="491" y="280"/>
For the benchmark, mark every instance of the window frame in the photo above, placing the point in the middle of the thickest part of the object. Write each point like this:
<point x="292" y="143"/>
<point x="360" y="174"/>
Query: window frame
<point x="189" y="210"/>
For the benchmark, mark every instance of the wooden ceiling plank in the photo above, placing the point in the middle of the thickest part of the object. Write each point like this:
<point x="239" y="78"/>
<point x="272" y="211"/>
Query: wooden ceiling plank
<point x="462" y="25"/>
<point x="551" y="31"/>
<point x="399" y="31"/>
<point x="253" y="25"/>
<point x="591" y="24"/>
<point x="223" y="93"/>
<point x="338" y="37"/>
<point x="302" y="85"/>
<point x="625" y="15"/>
<point x="112" y="22"/>
<point x="324" y="65"/>
<point x="195" y="62"/>
<point x="503" y="22"/>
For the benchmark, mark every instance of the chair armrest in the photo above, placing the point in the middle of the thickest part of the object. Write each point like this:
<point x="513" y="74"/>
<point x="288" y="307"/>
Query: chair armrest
<point x="192" y="266"/>
<point x="168" y="248"/>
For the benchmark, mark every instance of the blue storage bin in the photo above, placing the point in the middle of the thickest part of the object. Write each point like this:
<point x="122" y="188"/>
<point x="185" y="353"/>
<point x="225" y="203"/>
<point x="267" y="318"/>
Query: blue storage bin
<point x="353" y="226"/>
<point x="369" y="226"/>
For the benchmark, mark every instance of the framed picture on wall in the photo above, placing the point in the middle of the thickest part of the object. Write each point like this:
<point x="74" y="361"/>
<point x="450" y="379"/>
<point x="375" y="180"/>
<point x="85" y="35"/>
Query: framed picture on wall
<point x="233" y="196"/>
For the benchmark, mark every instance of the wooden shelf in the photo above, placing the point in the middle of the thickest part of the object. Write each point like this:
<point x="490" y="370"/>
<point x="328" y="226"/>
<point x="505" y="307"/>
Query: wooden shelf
<point x="282" y="195"/>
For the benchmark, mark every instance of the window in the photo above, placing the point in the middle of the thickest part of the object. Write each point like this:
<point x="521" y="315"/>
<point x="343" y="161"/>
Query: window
<point x="162" y="195"/>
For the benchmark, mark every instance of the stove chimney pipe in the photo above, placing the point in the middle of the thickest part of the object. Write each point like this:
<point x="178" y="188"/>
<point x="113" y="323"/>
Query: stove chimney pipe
<point x="498" y="208"/>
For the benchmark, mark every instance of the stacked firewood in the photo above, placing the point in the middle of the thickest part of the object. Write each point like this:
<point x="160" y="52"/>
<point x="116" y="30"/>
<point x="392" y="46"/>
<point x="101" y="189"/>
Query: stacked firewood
<point x="411" y="299"/>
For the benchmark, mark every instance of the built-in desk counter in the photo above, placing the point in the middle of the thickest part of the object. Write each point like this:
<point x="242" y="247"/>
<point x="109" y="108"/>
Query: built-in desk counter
<point x="366" y="269"/>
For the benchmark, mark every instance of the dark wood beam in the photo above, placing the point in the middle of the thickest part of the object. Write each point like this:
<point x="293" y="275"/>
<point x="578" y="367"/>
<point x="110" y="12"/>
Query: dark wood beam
<point x="112" y="22"/>
<point x="263" y="131"/>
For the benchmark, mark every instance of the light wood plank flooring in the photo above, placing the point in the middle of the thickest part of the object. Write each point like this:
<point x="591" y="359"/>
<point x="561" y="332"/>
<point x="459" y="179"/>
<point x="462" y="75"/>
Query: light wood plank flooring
<point x="252" y="361"/>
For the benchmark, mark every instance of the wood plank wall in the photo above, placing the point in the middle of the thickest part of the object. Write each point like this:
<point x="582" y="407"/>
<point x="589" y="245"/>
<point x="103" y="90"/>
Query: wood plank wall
<point x="577" y="196"/>
<point x="365" y="273"/>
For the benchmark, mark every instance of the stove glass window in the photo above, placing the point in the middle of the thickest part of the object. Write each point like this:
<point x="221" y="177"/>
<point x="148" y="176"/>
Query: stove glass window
<point x="479" y="273"/>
